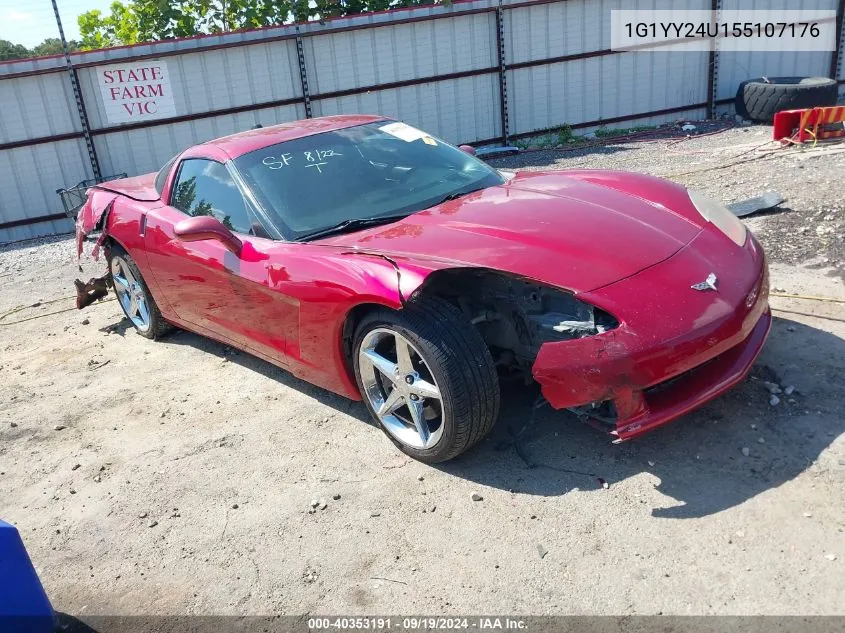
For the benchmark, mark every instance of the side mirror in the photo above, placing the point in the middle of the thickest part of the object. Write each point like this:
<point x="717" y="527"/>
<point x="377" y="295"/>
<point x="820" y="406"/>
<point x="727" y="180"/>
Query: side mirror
<point x="469" y="149"/>
<point x="207" y="227"/>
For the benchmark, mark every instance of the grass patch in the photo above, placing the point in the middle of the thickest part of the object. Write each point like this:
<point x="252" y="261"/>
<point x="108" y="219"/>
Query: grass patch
<point x="604" y="132"/>
<point x="562" y="136"/>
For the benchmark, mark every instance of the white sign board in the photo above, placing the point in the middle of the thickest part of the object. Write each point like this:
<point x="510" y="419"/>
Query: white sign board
<point x="135" y="92"/>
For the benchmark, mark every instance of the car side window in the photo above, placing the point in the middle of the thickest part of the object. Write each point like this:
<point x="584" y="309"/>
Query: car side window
<point x="161" y="176"/>
<point x="205" y="187"/>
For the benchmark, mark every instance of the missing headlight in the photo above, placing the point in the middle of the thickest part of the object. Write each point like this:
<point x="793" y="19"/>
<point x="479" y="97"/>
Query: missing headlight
<point x="564" y="317"/>
<point x="516" y="316"/>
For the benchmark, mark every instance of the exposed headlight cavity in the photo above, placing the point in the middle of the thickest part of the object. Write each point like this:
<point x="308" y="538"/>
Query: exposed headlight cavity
<point x="560" y="316"/>
<point x="720" y="216"/>
<point x="514" y="315"/>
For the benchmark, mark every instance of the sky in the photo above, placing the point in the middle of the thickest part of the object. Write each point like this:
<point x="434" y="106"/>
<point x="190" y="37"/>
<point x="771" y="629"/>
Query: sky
<point x="30" y="22"/>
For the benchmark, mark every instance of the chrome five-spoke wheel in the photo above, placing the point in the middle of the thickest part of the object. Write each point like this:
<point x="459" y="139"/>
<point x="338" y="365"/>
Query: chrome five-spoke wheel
<point x="427" y="378"/>
<point x="401" y="388"/>
<point x="131" y="294"/>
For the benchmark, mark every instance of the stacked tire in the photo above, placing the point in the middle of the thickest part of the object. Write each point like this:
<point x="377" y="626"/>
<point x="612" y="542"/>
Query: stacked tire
<point x="759" y="99"/>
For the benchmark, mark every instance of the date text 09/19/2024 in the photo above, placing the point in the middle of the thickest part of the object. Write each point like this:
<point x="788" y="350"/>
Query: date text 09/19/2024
<point x="419" y="623"/>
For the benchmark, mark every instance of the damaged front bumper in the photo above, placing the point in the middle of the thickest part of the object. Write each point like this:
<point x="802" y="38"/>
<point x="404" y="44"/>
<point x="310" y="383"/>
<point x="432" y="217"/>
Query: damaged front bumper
<point x="677" y="352"/>
<point x="93" y="217"/>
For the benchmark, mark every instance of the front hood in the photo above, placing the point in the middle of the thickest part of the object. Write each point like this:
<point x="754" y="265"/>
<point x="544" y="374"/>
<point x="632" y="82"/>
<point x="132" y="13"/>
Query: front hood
<point x="550" y="227"/>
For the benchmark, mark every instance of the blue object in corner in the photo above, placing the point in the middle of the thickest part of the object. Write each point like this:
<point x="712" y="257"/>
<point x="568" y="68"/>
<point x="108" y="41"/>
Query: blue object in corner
<point x="24" y="606"/>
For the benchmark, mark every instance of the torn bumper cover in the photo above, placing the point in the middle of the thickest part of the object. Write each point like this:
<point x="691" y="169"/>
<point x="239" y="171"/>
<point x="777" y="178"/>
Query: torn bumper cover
<point x="653" y="370"/>
<point x="92" y="217"/>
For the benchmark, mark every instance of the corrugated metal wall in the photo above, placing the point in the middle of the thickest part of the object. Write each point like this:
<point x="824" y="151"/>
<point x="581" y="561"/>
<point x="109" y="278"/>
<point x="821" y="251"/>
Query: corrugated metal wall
<point x="458" y="110"/>
<point x="434" y="67"/>
<point x="735" y="67"/>
<point x="33" y="107"/>
<point x="603" y="87"/>
<point x="201" y="82"/>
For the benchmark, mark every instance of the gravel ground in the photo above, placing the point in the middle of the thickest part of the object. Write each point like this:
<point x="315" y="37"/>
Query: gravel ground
<point x="177" y="477"/>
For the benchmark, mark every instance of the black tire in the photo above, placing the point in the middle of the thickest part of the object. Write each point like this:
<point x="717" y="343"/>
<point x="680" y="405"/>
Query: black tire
<point x="460" y="363"/>
<point x="158" y="326"/>
<point x="759" y="99"/>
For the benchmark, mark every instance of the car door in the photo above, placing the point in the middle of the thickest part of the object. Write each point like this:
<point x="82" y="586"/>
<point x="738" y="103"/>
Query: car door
<point x="221" y="293"/>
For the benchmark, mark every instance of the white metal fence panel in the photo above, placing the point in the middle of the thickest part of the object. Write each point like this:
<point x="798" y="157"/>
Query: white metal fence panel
<point x="735" y="67"/>
<point x="605" y="86"/>
<point x="458" y="111"/>
<point x="36" y="107"/>
<point x="144" y="150"/>
<point x="548" y="30"/>
<point x="354" y="59"/>
<point x="215" y="80"/>
<point x="552" y="30"/>
<point x="600" y="88"/>
<point x="29" y="177"/>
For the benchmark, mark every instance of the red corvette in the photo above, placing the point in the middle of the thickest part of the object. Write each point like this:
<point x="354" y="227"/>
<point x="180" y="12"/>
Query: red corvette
<point x="376" y="261"/>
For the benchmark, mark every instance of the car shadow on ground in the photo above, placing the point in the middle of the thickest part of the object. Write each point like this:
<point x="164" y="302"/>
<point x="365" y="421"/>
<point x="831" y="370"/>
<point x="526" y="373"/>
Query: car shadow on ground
<point x="699" y="459"/>
<point x="264" y="368"/>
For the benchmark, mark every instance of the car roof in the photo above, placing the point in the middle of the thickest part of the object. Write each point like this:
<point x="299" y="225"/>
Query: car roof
<point x="242" y="143"/>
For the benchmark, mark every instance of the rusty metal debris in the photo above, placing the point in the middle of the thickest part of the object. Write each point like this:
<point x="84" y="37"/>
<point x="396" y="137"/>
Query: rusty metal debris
<point x="95" y="289"/>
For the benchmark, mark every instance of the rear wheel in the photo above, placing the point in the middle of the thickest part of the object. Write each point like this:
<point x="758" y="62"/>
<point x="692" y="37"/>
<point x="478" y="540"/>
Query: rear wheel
<point x="427" y="378"/>
<point x="134" y="297"/>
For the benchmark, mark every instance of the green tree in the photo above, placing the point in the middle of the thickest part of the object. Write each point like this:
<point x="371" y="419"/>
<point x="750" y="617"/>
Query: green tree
<point x="9" y="51"/>
<point x="120" y="27"/>
<point x="149" y="20"/>
<point x="53" y="46"/>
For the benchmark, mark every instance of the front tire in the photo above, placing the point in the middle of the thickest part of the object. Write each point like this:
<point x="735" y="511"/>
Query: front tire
<point x="134" y="296"/>
<point x="427" y="378"/>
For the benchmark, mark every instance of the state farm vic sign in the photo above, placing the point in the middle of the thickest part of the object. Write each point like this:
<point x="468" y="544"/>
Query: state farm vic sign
<point x="136" y="92"/>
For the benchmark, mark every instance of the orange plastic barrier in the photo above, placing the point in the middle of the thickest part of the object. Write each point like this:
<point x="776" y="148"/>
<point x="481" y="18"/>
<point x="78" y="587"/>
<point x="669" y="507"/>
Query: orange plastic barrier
<point x="810" y="124"/>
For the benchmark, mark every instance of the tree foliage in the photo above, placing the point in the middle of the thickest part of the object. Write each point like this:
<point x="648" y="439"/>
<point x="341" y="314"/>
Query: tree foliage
<point x="134" y="21"/>
<point x="53" y="46"/>
<point x="12" y="51"/>
<point x="119" y="27"/>
<point x="149" y="20"/>
<point x="50" y="46"/>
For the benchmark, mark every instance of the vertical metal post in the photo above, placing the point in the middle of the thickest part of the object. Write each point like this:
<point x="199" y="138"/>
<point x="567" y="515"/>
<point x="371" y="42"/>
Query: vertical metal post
<point x="77" y="94"/>
<point x="503" y="77"/>
<point x="713" y="61"/>
<point x="303" y="75"/>
<point x="837" y="54"/>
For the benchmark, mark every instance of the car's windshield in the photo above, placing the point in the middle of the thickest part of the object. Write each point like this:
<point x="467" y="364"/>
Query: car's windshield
<point x="368" y="171"/>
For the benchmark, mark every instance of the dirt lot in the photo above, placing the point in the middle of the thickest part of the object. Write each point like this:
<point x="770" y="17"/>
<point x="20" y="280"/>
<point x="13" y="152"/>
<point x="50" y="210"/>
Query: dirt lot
<point x="176" y="477"/>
